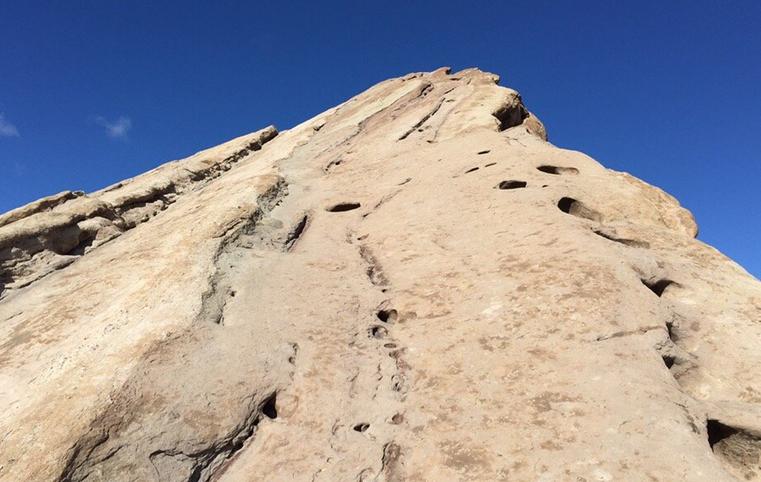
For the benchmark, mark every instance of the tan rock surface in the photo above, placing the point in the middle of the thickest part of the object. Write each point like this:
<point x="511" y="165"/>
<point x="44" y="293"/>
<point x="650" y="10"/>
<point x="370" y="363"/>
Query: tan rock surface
<point x="414" y="285"/>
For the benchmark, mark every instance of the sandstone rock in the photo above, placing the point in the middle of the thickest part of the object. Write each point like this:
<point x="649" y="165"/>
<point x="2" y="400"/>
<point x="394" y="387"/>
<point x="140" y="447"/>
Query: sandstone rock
<point x="44" y="204"/>
<point x="48" y="234"/>
<point x="414" y="285"/>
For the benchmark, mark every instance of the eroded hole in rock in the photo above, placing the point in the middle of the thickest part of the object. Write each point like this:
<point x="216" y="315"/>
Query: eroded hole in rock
<point x="471" y="169"/>
<point x="511" y="184"/>
<point x="377" y="331"/>
<point x="557" y="170"/>
<point x="717" y="432"/>
<point x="387" y="316"/>
<point x="79" y="250"/>
<point x="361" y="427"/>
<point x="510" y="116"/>
<point x="397" y="418"/>
<point x="483" y="152"/>
<point x="658" y="287"/>
<point x="668" y="360"/>
<point x="490" y="164"/>
<point x="269" y="408"/>
<point x="342" y="207"/>
<point x="738" y="451"/>
<point x="577" y="208"/>
<point x="566" y="204"/>
<point x="390" y="345"/>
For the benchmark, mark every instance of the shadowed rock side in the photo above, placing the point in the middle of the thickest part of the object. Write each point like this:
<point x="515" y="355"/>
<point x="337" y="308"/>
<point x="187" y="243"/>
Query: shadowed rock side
<point x="414" y="285"/>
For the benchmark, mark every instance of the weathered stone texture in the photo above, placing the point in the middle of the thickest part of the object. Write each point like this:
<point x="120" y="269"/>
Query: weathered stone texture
<point x="414" y="285"/>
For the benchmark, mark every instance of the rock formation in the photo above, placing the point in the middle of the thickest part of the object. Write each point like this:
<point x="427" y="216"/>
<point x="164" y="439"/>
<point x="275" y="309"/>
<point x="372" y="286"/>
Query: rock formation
<point x="414" y="285"/>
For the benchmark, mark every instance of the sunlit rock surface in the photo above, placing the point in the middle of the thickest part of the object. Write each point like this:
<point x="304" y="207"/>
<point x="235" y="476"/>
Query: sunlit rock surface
<point x="414" y="285"/>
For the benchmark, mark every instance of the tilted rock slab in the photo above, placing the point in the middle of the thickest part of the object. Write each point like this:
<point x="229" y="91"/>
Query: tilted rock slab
<point x="414" y="285"/>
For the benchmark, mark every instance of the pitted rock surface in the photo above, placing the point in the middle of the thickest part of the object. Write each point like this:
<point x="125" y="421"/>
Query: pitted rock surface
<point x="414" y="285"/>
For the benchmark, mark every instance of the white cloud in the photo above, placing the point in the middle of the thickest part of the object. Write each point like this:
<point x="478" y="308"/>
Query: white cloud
<point x="6" y="128"/>
<point x="117" y="129"/>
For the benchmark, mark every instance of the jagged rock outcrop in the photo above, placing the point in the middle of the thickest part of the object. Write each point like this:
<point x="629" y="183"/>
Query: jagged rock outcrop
<point x="414" y="285"/>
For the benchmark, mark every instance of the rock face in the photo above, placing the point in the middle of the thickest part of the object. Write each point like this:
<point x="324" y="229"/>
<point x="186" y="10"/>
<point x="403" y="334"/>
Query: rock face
<point x="414" y="285"/>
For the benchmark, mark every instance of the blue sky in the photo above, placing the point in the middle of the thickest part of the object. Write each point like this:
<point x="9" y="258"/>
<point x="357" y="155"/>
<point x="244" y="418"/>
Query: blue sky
<point x="92" y="92"/>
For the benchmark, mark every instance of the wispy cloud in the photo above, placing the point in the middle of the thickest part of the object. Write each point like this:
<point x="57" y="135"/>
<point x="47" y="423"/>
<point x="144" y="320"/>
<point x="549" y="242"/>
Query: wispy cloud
<point x="116" y="129"/>
<point x="6" y="128"/>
